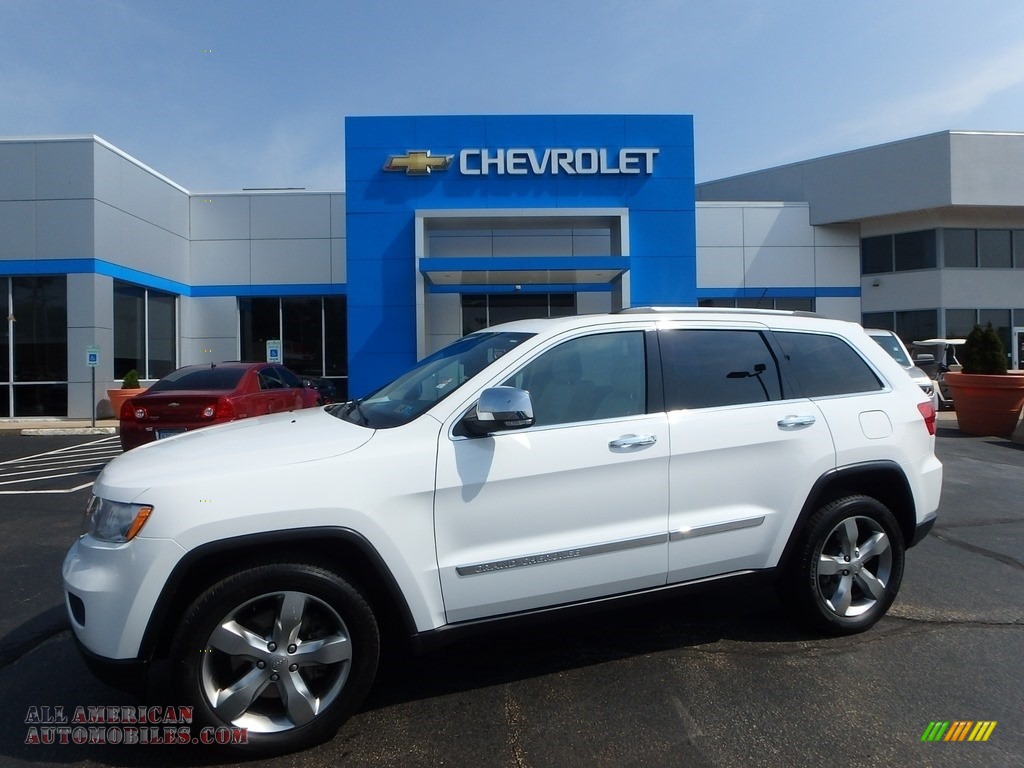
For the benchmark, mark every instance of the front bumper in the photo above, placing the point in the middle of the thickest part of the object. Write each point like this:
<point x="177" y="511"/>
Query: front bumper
<point x="111" y="590"/>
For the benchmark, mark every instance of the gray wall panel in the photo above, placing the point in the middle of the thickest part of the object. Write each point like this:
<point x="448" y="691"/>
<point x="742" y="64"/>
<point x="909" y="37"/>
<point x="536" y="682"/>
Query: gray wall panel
<point x="338" y="216"/>
<point x="17" y="230"/>
<point x="64" y="169"/>
<point x="785" y="267"/>
<point x="339" y="264"/>
<point x="720" y="267"/>
<point x="987" y="169"/>
<point x="64" y="229"/>
<point x="209" y="329"/>
<point x="291" y="261"/>
<point x="784" y="225"/>
<point x="719" y="225"/>
<point x="837" y="265"/>
<point x="219" y="217"/>
<point x="291" y="216"/>
<point x="17" y="171"/>
<point x="220" y="262"/>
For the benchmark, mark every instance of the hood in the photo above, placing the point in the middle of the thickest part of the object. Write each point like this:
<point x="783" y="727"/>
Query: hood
<point x="246" y="445"/>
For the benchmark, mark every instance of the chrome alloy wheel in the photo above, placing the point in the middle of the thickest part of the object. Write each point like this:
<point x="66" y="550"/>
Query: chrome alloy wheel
<point x="854" y="566"/>
<point x="275" y="662"/>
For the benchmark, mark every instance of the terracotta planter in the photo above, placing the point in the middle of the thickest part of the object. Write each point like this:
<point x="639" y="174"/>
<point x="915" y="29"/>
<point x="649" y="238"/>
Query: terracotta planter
<point x="118" y="396"/>
<point x="987" y="405"/>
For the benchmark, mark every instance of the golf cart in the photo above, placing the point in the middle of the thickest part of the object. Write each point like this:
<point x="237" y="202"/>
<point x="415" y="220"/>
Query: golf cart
<point x="937" y="357"/>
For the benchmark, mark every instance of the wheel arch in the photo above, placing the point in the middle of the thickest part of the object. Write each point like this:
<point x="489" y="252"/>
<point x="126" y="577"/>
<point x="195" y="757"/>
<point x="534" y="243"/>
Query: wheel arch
<point x="339" y="549"/>
<point x="881" y="480"/>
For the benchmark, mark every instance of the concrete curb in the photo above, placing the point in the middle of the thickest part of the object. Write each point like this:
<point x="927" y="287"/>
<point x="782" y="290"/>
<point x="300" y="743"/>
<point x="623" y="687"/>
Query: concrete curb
<point x="52" y="431"/>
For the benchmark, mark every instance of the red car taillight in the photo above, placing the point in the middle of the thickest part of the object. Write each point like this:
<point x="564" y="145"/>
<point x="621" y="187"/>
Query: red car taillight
<point x="128" y="411"/>
<point x="219" y="411"/>
<point x="928" y="413"/>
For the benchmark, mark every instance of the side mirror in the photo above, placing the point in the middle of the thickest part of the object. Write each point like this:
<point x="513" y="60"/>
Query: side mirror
<point x="499" y="409"/>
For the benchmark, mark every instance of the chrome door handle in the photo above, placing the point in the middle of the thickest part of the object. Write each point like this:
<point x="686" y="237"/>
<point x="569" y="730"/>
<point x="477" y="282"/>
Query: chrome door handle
<point x="795" y="422"/>
<point x="633" y="441"/>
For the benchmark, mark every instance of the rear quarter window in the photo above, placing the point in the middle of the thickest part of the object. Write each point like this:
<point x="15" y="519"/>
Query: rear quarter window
<point x="826" y="365"/>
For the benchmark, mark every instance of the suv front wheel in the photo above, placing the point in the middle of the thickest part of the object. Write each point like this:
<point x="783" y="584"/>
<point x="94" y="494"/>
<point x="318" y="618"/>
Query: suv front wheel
<point x="849" y="565"/>
<point x="286" y="651"/>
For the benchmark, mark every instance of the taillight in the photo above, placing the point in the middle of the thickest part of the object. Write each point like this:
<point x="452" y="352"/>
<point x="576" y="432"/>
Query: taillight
<point x="127" y="411"/>
<point x="928" y="413"/>
<point x="224" y="411"/>
<point x="140" y="414"/>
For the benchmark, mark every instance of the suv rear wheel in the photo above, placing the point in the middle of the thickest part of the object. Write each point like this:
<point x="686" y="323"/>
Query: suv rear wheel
<point x="849" y="565"/>
<point x="286" y="651"/>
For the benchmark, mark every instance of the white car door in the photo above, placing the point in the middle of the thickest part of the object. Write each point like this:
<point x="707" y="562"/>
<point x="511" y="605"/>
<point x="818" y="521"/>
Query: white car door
<point x="572" y="508"/>
<point x="744" y="453"/>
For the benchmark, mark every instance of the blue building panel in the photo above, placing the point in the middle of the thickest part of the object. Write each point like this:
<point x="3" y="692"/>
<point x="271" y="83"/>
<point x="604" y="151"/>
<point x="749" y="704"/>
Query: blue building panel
<point x="641" y="163"/>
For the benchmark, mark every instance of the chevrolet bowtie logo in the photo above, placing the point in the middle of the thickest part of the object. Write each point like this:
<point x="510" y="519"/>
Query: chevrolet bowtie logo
<point x="418" y="162"/>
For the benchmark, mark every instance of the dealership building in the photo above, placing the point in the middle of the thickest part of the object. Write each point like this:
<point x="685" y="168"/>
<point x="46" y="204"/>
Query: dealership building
<point x="450" y="224"/>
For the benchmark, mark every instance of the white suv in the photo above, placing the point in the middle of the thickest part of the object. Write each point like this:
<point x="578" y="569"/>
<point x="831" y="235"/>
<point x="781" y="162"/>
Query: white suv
<point x="538" y="464"/>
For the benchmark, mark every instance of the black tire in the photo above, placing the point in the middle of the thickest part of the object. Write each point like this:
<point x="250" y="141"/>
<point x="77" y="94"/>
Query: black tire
<point x="836" y="583"/>
<point x="315" y="636"/>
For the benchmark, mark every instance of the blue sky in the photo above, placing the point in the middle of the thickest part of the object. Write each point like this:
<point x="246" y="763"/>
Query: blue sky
<point x="225" y="94"/>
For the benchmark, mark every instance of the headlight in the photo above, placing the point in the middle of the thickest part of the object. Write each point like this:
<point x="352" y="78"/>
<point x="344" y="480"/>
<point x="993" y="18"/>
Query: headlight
<point x="114" y="521"/>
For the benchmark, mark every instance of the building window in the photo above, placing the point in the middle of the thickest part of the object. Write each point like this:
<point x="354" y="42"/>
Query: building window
<point x="313" y="331"/>
<point x="145" y="331"/>
<point x="1018" y="248"/>
<point x="885" y="321"/>
<point x="995" y="249"/>
<point x="798" y="304"/>
<point x="959" y="248"/>
<point x="917" y="325"/>
<point x="34" y="347"/>
<point x="914" y="250"/>
<point x="876" y="254"/>
<point x="482" y="310"/>
<point x="960" y="322"/>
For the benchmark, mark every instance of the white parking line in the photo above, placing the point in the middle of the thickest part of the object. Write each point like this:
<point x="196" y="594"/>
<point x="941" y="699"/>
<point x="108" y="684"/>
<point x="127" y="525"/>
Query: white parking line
<point x="41" y="468"/>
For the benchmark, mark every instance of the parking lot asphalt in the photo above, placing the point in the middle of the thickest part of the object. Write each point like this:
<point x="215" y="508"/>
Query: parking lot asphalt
<point x="719" y="679"/>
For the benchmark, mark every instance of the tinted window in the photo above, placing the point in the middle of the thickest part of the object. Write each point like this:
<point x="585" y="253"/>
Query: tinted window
<point x="708" y="368"/>
<point x="269" y="379"/>
<point x="826" y="365"/>
<point x="200" y="378"/>
<point x="994" y="248"/>
<point x="915" y="250"/>
<point x="594" y="377"/>
<point x="958" y="246"/>
<point x="876" y="254"/>
<point x="289" y="378"/>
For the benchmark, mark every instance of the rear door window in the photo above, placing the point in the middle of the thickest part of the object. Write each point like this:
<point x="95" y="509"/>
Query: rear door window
<point x="707" y="368"/>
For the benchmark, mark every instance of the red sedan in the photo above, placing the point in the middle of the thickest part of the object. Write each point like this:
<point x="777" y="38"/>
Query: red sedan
<point x="200" y="395"/>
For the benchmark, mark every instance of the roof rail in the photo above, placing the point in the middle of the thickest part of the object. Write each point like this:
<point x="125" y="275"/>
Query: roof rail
<point x="697" y="310"/>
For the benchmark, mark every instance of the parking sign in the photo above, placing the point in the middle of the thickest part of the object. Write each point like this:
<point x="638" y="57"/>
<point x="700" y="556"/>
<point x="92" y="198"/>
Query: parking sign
<point x="274" y="351"/>
<point x="92" y="356"/>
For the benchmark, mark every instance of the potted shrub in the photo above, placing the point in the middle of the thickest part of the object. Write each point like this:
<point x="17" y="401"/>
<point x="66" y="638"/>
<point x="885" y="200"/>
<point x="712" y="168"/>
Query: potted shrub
<point x="987" y="399"/>
<point x="129" y="388"/>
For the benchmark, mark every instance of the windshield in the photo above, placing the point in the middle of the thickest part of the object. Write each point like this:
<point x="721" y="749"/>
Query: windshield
<point x="891" y="344"/>
<point x="428" y="383"/>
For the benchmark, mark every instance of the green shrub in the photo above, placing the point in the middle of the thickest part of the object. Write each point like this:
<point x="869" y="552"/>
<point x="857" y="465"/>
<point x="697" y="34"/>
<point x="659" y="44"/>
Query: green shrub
<point x="983" y="352"/>
<point x="131" y="380"/>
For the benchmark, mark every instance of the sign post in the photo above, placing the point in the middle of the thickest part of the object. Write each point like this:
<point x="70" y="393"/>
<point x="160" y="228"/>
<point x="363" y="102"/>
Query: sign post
<point x="92" y="359"/>
<point x="273" y="350"/>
